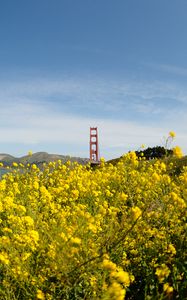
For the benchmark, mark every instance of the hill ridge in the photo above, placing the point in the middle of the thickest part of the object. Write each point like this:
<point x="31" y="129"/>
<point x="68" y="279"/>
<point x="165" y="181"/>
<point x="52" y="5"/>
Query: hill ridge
<point x="40" y="157"/>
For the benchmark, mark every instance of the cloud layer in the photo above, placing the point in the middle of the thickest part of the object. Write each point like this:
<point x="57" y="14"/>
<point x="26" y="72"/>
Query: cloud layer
<point x="40" y="112"/>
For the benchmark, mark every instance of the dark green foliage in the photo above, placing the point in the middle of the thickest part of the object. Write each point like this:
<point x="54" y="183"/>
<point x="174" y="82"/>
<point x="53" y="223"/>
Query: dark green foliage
<point x="154" y="152"/>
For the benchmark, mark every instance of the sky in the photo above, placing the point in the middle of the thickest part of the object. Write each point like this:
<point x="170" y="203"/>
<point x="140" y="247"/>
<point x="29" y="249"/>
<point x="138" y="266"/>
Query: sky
<point x="66" y="65"/>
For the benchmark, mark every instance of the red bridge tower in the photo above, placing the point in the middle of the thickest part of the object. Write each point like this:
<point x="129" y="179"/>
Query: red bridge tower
<point x="94" y="148"/>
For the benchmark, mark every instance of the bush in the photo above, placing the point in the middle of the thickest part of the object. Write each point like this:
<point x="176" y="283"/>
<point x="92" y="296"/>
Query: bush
<point x="115" y="232"/>
<point x="155" y="152"/>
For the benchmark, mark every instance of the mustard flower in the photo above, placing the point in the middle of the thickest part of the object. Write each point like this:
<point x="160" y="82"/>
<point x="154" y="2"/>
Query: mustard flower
<point x="162" y="272"/>
<point x="136" y="212"/>
<point x="172" y="134"/>
<point x="177" y="151"/>
<point x="167" y="288"/>
<point x="40" y="295"/>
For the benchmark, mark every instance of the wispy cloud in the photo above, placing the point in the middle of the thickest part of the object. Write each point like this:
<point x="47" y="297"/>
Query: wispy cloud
<point x="172" y="69"/>
<point x="43" y="126"/>
<point x="59" y="111"/>
<point x="102" y="92"/>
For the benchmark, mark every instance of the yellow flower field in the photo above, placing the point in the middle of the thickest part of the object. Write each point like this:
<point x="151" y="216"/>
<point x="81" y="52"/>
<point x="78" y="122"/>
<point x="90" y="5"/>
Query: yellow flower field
<point x="114" y="232"/>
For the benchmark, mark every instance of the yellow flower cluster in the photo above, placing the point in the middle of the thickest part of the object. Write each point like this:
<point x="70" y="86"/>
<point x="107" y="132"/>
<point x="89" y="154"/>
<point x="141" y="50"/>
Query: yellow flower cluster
<point x="118" y="278"/>
<point x="162" y="272"/>
<point x="177" y="151"/>
<point x="113" y="232"/>
<point x="172" y="134"/>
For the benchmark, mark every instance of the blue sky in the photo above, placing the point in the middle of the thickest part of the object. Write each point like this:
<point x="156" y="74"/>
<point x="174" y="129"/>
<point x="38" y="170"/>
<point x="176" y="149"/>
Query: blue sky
<point x="66" y="65"/>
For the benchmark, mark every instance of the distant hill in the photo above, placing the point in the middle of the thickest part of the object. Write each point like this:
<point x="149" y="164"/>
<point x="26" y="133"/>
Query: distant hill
<point x="6" y="157"/>
<point x="39" y="158"/>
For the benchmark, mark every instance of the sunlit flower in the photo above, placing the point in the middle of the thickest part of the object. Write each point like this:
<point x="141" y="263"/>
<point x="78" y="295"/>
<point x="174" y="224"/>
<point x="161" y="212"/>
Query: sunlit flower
<point x="136" y="212"/>
<point x="162" y="272"/>
<point x="167" y="288"/>
<point x="14" y="164"/>
<point x="40" y="295"/>
<point x="177" y="152"/>
<point x="172" y="134"/>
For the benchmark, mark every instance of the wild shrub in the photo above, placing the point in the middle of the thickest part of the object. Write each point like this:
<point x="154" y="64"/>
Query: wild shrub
<point x="114" y="232"/>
